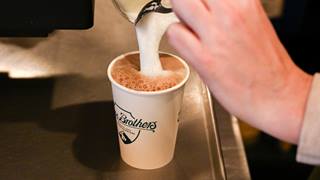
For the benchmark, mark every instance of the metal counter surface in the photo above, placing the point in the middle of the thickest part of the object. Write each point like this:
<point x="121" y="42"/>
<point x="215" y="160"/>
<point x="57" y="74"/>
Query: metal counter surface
<point x="80" y="141"/>
<point x="56" y="114"/>
<point x="233" y="152"/>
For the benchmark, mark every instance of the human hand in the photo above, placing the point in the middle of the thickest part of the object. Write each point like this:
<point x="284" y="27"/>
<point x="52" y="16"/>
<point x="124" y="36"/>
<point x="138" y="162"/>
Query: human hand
<point x="235" y="50"/>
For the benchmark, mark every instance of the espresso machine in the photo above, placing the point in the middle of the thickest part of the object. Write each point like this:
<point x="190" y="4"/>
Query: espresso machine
<point x="38" y="18"/>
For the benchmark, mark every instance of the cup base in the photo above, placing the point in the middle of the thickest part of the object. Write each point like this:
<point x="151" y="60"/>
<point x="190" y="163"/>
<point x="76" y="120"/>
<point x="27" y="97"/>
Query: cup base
<point x="147" y="167"/>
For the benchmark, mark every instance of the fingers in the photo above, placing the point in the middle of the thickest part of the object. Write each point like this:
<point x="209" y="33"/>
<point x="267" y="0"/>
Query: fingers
<point x="195" y="14"/>
<point x="189" y="46"/>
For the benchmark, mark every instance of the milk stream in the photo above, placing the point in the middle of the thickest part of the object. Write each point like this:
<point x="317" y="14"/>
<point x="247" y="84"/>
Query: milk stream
<point x="149" y="32"/>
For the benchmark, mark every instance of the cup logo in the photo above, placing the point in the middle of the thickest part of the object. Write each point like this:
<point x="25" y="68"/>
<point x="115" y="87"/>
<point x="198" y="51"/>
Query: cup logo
<point x="130" y="127"/>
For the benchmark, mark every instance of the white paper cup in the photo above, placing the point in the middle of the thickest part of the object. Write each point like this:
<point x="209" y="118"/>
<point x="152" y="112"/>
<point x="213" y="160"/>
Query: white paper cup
<point x="147" y="122"/>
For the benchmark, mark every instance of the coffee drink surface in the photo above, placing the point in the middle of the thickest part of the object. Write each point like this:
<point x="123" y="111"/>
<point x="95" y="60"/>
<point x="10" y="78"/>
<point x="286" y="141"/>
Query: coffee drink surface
<point x="127" y="73"/>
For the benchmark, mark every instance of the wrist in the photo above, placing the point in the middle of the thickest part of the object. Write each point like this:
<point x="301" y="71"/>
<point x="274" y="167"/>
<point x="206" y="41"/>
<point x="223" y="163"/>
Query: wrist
<point x="299" y="87"/>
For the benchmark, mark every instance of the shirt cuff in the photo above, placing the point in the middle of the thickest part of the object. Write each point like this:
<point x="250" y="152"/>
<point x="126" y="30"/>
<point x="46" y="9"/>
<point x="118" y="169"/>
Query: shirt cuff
<point x="309" y="142"/>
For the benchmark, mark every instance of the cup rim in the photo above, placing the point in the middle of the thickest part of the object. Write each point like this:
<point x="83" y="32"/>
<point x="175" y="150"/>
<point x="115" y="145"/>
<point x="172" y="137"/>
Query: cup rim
<point x="148" y="93"/>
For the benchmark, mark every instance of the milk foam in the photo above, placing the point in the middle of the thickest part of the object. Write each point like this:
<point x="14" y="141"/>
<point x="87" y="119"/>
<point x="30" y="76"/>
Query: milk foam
<point x="127" y="73"/>
<point x="150" y="30"/>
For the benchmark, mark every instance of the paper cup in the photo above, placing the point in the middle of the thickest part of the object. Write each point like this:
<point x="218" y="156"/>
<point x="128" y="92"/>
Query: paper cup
<point x="147" y="122"/>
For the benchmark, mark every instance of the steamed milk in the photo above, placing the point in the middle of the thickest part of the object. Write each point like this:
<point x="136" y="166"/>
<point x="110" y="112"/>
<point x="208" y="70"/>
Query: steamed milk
<point x="148" y="72"/>
<point x="149" y="31"/>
